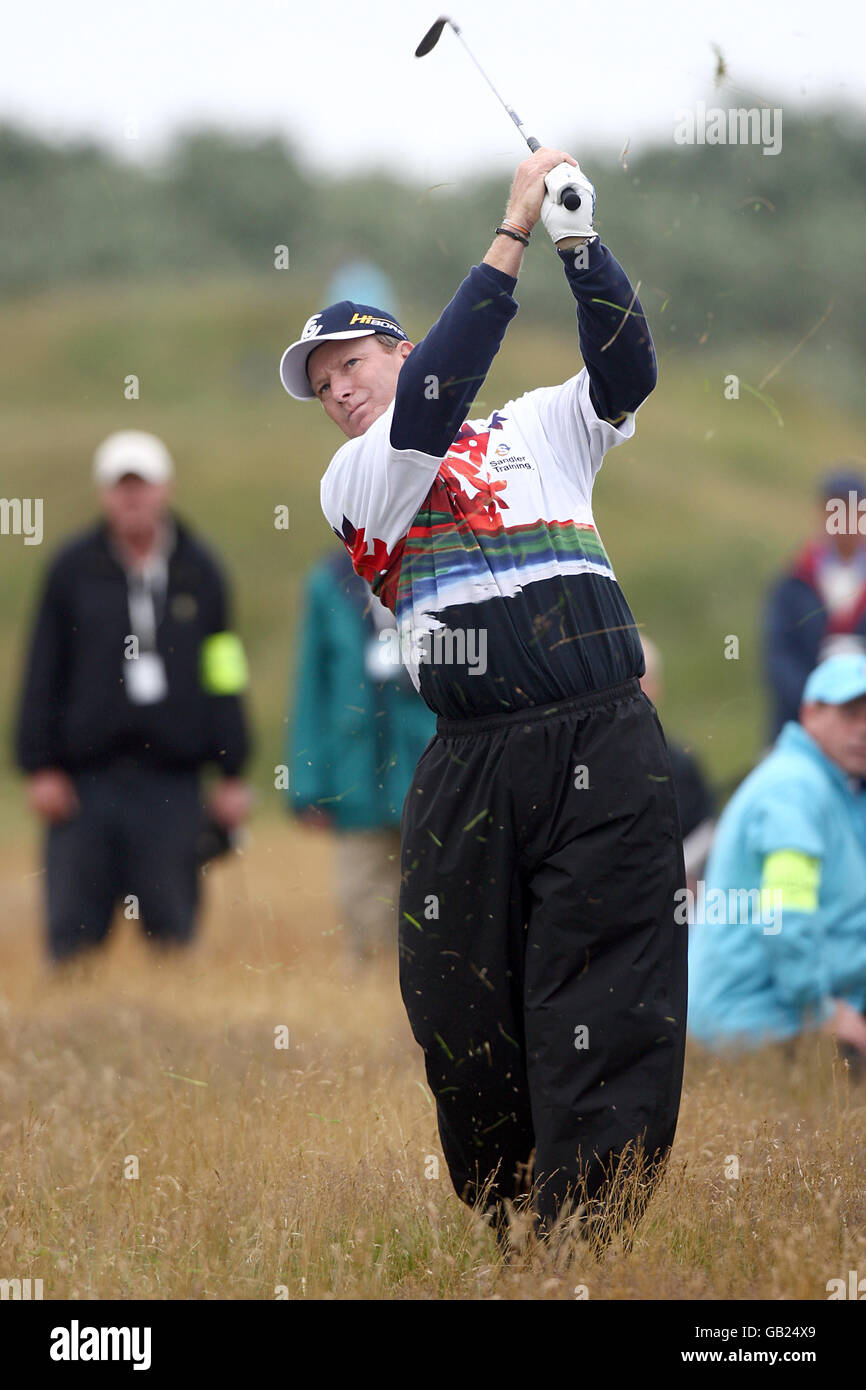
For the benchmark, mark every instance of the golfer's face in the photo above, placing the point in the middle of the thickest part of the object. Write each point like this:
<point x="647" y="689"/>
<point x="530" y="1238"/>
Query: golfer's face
<point x="355" y="379"/>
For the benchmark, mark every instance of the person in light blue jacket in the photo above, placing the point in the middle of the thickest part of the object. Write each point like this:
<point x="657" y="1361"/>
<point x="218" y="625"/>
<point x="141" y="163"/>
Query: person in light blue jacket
<point x="778" y="941"/>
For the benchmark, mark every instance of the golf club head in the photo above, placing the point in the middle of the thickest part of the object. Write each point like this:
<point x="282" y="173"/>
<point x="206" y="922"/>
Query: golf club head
<point x="431" y="38"/>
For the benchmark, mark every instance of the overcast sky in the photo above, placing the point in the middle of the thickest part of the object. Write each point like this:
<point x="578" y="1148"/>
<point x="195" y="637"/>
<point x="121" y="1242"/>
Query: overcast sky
<point x="339" y="77"/>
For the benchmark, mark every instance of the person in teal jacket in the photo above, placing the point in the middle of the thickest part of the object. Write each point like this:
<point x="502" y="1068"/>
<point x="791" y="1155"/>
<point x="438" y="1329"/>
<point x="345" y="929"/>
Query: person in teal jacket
<point x="356" y="733"/>
<point x="778" y="942"/>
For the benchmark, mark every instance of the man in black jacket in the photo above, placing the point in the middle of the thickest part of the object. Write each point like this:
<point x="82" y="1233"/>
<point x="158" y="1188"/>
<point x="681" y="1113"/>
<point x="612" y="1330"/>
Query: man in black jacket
<point x="133" y="683"/>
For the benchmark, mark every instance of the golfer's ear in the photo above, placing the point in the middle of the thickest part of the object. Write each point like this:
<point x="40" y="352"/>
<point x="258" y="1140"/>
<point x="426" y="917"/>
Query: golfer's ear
<point x="405" y="349"/>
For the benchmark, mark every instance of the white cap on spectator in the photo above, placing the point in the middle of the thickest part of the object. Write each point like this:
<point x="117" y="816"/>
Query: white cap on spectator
<point x="132" y="451"/>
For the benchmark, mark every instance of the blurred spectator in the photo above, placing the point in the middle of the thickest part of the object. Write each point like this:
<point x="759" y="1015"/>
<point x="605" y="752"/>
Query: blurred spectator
<point x="818" y="607"/>
<point x="358" y="730"/>
<point x="132" y="685"/>
<point x="694" y="800"/>
<point x="779" y="944"/>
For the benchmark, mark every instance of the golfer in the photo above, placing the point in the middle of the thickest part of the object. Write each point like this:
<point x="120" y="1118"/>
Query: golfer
<point x="541" y="966"/>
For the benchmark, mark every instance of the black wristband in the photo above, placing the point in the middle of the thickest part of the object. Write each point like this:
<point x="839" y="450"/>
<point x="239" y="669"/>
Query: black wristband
<point x="506" y="231"/>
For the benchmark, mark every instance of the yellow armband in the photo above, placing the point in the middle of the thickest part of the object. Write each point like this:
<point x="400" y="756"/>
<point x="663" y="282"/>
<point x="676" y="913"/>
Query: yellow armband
<point x="796" y="876"/>
<point x="223" y="665"/>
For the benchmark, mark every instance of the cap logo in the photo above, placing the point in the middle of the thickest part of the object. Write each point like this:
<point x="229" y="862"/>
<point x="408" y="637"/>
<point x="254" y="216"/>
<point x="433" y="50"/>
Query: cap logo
<point x="369" y="321"/>
<point x="312" y="327"/>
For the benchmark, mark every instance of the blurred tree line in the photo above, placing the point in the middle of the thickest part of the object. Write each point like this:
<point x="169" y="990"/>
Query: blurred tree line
<point x="726" y="241"/>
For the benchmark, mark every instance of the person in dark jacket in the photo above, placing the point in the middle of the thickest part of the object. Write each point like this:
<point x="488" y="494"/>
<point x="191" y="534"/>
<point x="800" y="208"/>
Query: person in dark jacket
<point x="817" y="609"/>
<point x="357" y="731"/>
<point x="132" y="685"/>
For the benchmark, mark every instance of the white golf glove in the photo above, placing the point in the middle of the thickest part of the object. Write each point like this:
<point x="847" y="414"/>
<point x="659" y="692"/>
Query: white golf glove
<point x="558" y="220"/>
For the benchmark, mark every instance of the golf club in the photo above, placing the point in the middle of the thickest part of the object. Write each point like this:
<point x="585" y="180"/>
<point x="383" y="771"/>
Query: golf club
<point x="570" y="198"/>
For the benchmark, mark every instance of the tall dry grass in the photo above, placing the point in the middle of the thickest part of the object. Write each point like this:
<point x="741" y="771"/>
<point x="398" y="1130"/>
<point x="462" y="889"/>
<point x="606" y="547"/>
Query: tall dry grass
<point x="310" y="1169"/>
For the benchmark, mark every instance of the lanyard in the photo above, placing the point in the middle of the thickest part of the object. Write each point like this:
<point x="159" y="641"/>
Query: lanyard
<point x="146" y="587"/>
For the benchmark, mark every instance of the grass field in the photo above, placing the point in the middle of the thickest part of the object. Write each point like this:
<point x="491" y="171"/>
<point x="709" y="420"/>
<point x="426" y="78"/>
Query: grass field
<point x="311" y="1171"/>
<point x="306" y="1168"/>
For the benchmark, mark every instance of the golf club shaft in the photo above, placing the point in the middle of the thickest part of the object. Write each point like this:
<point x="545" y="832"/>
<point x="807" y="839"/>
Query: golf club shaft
<point x="569" y="198"/>
<point x="530" y="139"/>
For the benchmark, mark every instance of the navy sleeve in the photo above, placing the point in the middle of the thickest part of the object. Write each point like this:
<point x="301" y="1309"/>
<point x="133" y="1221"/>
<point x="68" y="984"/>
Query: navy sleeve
<point x="457" y="354"/>
<point x="622" y="372"/>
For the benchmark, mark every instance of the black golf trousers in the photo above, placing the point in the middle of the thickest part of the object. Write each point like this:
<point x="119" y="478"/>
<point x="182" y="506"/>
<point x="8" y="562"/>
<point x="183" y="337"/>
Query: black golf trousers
<point x="541" y="967"/>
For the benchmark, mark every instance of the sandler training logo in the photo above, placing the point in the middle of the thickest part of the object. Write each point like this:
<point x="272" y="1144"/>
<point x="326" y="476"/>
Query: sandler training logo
<point x="739" y="125"/>
<point x="503" y="459"/>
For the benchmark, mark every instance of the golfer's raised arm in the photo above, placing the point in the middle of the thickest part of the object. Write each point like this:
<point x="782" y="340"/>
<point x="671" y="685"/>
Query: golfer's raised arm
<point x="445" y="371"/>
<point x="615" y="340"/>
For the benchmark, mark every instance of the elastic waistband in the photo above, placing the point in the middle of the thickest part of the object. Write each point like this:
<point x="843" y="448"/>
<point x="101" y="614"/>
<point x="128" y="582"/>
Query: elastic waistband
<point x="534" y="714"/>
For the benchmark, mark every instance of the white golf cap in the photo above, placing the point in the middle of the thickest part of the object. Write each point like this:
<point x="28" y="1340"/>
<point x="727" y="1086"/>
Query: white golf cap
<point x="132" y="451"/>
